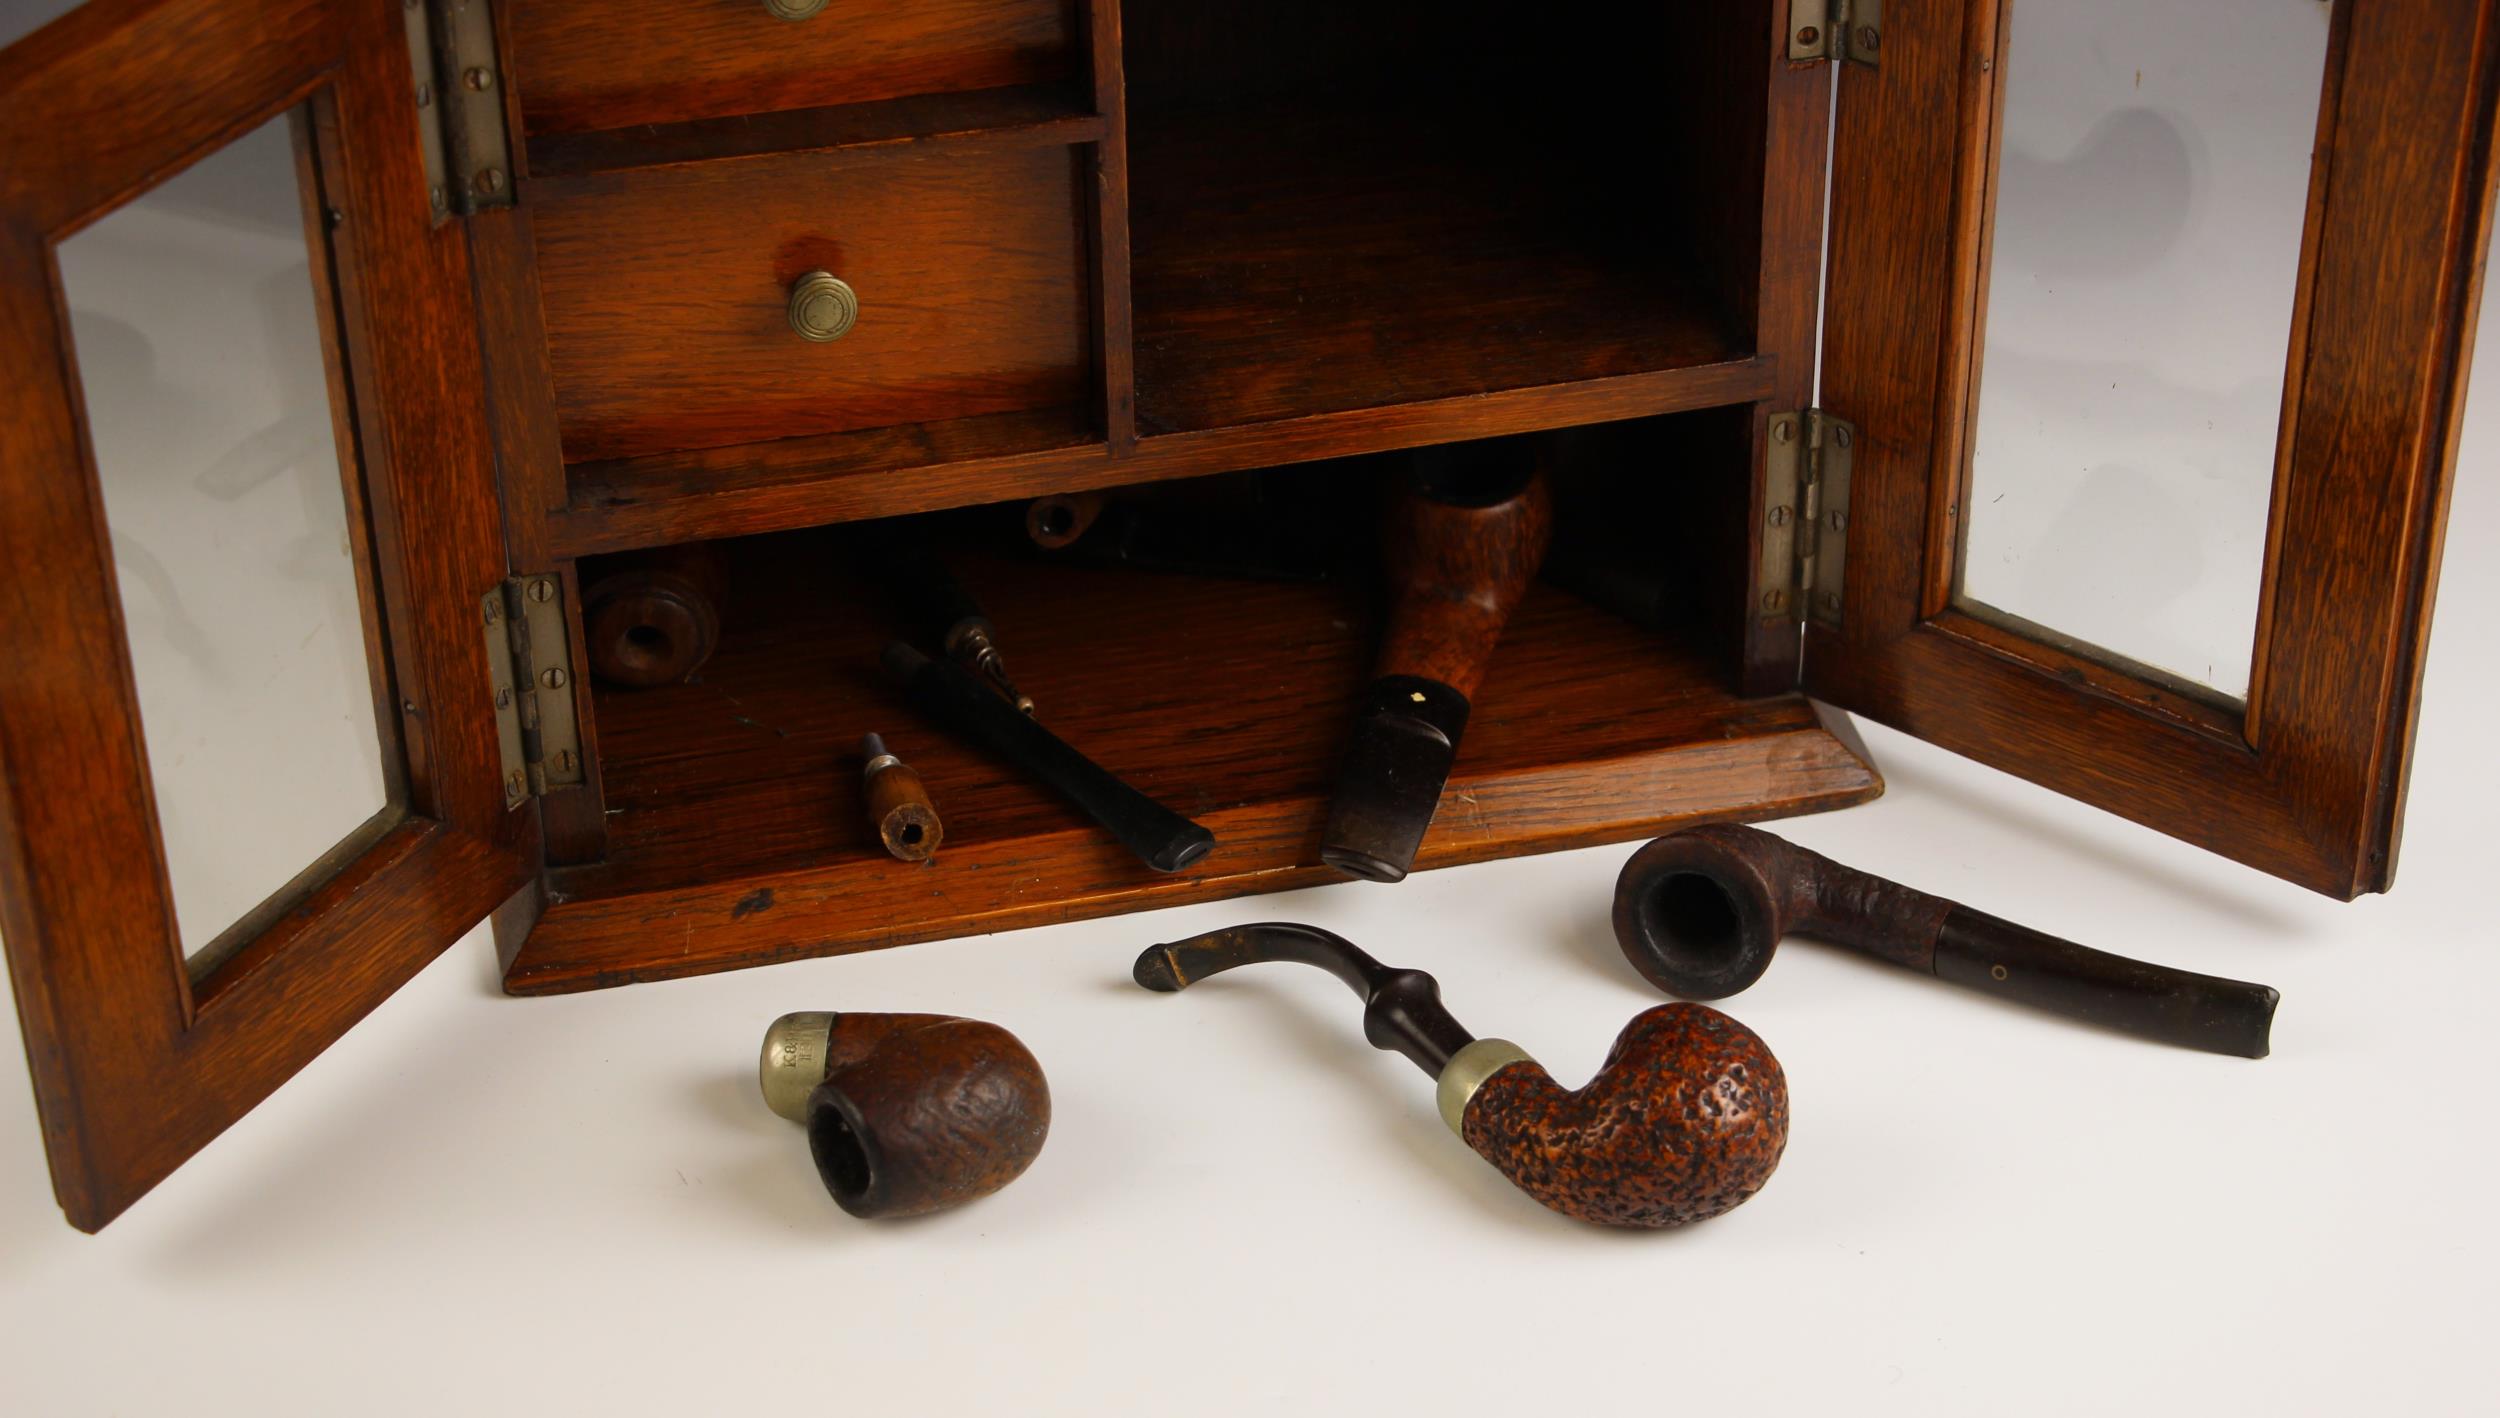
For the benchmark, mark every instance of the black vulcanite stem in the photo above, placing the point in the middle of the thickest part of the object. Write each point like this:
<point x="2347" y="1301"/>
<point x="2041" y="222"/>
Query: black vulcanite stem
<point x="2157" y="1002"/>
<point x="1402" y="1009"/>
<point x="950" y="695"/>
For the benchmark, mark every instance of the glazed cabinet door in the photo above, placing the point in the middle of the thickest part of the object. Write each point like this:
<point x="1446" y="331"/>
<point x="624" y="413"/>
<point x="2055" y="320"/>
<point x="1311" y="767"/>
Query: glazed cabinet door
<point x="2152" y="324"/>
<point x="246" y="525"/>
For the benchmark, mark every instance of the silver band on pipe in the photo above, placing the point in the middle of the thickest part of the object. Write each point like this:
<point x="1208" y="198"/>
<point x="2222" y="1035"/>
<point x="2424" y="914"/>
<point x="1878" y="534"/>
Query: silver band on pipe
<point x="1468" y="1069"/>
<point x="793" y="1061"/>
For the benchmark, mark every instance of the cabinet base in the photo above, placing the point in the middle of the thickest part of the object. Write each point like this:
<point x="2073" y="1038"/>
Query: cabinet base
<point x="737" y="839"/>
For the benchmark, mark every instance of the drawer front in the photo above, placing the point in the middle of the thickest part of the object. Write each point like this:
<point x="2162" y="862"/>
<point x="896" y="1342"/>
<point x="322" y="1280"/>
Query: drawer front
<point x="667" y="297"/>
<point x="619" y="63"/>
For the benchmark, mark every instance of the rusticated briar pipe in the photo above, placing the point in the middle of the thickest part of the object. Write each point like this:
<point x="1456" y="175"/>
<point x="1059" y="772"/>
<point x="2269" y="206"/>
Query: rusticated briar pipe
<point x="1699" y="912"/>
<point x="1685" y="1119"/>
<point x="1463" y="541"/>
<point x="907" y="1113"/>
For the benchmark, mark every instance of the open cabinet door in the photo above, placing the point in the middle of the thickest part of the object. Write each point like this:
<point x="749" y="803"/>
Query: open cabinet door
<point x="246" y="523"/>
<point x="2153" y="321"/>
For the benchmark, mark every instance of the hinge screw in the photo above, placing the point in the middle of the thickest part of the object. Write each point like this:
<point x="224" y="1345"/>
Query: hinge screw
<point x="425" y="94"/>
<point x="479" y="78"/>
<point x="1840" y="521"/>
<point x="518" y="784"/>
<point x="407" y="706"/>
<point x="553" y="679"/>
<point x="1841" y="435"/>
<point x="1774" y="598"/>
<point x="1779" y="516"/>
<point x="488" y="182"/>
<point x="1831" y="600"/>
<point x="494" y="612"/>
<point x="542" y="590"/>
<point x="1868" y="39"/>
<point x="1809" y="36"/>
<point x="503" y="697"/>
<point x="434" y="194"/>
<point x="1783" y="430"/>
<point x="564" y="760"/>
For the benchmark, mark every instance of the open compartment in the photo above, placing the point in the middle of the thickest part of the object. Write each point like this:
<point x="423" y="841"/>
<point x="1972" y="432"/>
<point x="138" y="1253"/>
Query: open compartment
<point x="736" y="831"/>
<point x="1339" y="207"/>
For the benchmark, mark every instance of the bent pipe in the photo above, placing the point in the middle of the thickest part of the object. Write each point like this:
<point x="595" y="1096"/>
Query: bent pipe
<point x="1686" y="1118"/>
<point x="1700" y="912"/>
<point x="907" y="1113"/>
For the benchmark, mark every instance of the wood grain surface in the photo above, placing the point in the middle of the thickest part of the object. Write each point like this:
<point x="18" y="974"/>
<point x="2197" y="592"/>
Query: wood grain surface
<point x="1302" y="260"/>
<point x="666" y="292"/>
<point x="1226" y="700"/>
<point x="1033" y="115"/>
<point x="1788" y="324"/>
<point x="2308" y="783"/>
<point x="136" y="1066"/>
<point x="632" y="62"/>
<point x="802" y="482"/>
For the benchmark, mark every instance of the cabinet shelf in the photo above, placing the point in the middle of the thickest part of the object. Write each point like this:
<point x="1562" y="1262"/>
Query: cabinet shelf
<point x="736" y="834"/>
<point x="1293" y="260"/>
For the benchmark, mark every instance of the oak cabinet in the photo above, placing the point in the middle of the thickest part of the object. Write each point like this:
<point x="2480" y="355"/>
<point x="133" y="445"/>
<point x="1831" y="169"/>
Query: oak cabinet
<point x="524" y="287"/>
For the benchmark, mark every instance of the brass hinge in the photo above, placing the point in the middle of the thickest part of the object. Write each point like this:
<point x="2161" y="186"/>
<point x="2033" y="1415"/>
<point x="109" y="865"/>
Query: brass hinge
<point x="460" y="112"/>
<point x="1805" y="531"/>
<point x="529" y="660"/>
<point x="1835" y="29"/>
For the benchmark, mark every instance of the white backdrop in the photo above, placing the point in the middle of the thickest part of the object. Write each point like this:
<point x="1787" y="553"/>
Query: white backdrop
<point x="479" y="1204"/>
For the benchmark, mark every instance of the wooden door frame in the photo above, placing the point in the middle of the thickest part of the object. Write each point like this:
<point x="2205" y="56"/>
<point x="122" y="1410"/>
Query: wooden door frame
<point x="135" y="1065"/>
<point x="2308" y="782"/>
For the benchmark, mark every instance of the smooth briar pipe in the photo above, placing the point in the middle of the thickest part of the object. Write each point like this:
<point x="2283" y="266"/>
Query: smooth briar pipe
<point x="1685" y="1119"/>
<point x="907" y="1113"/>
<point x="1699" y="913"/>
<point x="1462" y="542"/>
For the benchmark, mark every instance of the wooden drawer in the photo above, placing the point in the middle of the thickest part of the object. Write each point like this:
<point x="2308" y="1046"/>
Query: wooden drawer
<point x="666" y="296"/>
<point x="626" y="62"/>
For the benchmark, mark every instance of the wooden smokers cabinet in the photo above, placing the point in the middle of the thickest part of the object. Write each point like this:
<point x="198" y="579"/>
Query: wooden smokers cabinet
<point x="559" y="258"/>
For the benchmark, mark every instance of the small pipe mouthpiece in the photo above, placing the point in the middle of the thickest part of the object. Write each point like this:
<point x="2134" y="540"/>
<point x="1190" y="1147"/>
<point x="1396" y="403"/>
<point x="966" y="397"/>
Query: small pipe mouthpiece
<point x="899" y="807"/>
<point x="956" y="700"/>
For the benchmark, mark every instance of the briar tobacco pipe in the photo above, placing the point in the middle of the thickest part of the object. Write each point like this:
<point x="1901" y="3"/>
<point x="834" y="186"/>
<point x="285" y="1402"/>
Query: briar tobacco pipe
<point x="1463" y="538"/>
<point x="1699" y="912"/>
<point x="653" y="617"/>
<point x="907" y="1113"/>
<point x="1684" y="1120"/>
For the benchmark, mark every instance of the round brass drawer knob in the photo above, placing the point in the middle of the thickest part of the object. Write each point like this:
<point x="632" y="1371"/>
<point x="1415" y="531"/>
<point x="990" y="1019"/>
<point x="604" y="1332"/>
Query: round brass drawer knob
<point x="823" y="307"/>
<point x="793" y="9"/>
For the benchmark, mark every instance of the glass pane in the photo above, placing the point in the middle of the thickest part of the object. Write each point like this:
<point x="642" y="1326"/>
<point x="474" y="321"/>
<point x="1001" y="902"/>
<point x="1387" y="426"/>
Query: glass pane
<point x="200" y="358"/>
<point x="2152" y="186"/>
